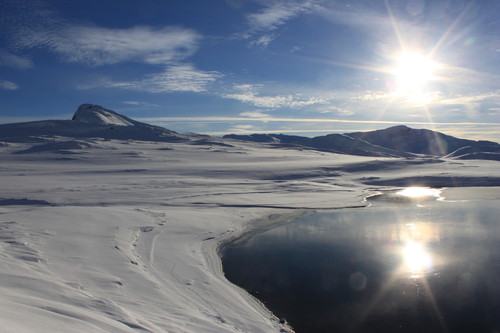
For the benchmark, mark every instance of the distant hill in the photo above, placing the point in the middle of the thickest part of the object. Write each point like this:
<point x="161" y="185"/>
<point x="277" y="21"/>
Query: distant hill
<point x="94" y="121"/>
<point x="419" y="141"/>
<point x="337" y="143"/>
<point x="401" y="141"/>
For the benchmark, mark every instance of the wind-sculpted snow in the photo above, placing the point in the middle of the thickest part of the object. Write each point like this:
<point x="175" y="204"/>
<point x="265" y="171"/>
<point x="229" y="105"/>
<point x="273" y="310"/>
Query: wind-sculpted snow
<point x="122" y="235"/>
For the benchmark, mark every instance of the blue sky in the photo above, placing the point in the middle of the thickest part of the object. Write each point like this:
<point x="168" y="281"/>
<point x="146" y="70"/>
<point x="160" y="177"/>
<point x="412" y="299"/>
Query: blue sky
<point x="307" y="67"/>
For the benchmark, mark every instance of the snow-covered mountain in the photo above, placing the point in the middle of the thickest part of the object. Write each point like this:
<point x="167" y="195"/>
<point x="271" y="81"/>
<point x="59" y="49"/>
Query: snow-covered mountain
<point x="89" y="121"/>
<point x="94" y="121"/>
<point x="397" y="141"/>
<point x="335" y="143"/>
<point x="95" y="114"/>
<point x="421" y="141"/>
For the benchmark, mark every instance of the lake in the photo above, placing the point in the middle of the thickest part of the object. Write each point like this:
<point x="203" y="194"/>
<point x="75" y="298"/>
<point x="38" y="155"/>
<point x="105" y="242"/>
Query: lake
<point x="410" y="262"/>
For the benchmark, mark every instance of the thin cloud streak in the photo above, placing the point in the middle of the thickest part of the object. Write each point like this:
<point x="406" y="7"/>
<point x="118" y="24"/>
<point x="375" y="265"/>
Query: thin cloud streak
<point x="309" y="120"/>
<point x="262" y="25"/>
<point x="8" y="59"/>
<point x="247" y="93"/>
<point x="281" y="131"/>
<point x="463" y="100"/>
<point x="141" y="104"/>
<point x="175" y="78"/>
<point x="8" y="85"/>
<point x="277" y="14"/>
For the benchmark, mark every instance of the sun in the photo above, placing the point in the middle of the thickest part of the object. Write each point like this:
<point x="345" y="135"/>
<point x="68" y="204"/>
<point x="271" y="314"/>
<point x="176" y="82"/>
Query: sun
<point x="412" y="73"/>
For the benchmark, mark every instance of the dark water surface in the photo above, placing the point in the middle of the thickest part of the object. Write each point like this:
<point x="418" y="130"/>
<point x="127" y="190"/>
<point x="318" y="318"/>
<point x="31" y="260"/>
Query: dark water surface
<point x="431" y="266"/>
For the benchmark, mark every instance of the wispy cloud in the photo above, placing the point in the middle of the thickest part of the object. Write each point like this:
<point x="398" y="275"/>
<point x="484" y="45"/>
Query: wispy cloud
<point x="264" y="40"/>
<point x="254" y="114"/>
<point x="8" y="85"/>
<point x="362" y="14"/>
<point x="271" y="17"/>
<point x="175" y="78"/>
<point x="338" y="110"/>
<point x="310" y="120"/>
<point x="243" y="129"/>
<point x="470" y="99"/>
<point x="262" y="24"/>
<point x="87" y="44"/>
<point x="248" y="93"/>
<point x="98" y="46"/>
<point x="8" y="59"/>
<point x="139" y="103"/>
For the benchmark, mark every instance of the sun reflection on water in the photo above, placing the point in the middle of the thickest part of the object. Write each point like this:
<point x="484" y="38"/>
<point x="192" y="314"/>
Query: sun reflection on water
<point x="419" y="192"/>
<point x="416" y="257"/>
<point x="417" y="260"/>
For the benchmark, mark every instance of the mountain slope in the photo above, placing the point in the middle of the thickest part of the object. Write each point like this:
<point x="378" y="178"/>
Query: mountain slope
<point x="477" y="152"/>
<point x="397" y="141"/>
<point x="89" y="121"/>
<point x="335" y="143"/>
<point x="95" y="114"/>
<point x="418" y="141"/>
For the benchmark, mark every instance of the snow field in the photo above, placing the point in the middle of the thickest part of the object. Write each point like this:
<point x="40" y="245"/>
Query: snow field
<point x="122" y="236"/>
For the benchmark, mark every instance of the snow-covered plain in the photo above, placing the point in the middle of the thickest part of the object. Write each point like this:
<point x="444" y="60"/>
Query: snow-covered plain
<point x="121" y="236"/>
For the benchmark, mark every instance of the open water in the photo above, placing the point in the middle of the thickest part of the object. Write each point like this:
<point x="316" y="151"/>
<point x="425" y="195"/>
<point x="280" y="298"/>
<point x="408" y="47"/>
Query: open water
<point x="408" y="263"/>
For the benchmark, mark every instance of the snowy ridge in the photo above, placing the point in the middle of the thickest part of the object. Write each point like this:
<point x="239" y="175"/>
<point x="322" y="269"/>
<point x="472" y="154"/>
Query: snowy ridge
<point x="90" y="121"/>
<point x="396" y="141"/>
<point x="95" y="114"/>
<point x="419" y="141"/>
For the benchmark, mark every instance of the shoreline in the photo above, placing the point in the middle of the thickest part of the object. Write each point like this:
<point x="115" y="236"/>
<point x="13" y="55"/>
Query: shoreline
<point x="213" y="254"/>
<point x="251" y="228"/>
<point x="248" y="230"/>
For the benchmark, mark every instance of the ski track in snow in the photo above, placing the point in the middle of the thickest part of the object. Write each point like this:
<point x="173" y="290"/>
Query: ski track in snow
<point x="122" y="236"/>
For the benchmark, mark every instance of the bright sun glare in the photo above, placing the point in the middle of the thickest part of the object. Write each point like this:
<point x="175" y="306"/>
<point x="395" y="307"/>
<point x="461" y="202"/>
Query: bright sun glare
<point x="416" y="259"/>
<point x="413" y="71"/>
<point x="419" y="192"/>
